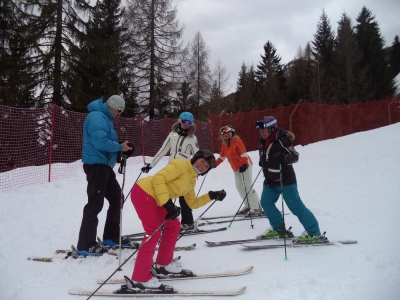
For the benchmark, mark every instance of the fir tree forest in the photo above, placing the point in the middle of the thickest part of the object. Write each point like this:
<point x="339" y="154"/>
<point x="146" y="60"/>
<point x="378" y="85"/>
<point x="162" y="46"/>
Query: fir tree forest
<point x="71" y="52"/>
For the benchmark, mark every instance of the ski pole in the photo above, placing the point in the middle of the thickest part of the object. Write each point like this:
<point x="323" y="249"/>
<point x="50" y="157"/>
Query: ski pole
<point x="282" y="225"/>
<point x="133" y="186"/>
<point x="248" y="204"/>
<point x="141" y="245"/>
<point x="187" y="230"/>
<point x="229" y="226"/>
<point x="201" y="186"/>
<point x="123" y="167"/>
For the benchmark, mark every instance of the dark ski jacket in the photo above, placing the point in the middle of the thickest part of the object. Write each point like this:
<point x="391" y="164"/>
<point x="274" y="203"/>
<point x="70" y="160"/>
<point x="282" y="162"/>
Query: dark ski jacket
<point x="278" y="150"/>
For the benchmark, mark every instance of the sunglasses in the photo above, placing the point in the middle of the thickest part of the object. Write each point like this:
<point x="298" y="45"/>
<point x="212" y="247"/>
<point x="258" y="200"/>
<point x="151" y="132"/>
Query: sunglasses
<point x="211" y="160"/>
<point x="186" y="122"/>
<point x="120" y="109"/>
<point x="263" y="125"/>
<point x="225" y="129"/>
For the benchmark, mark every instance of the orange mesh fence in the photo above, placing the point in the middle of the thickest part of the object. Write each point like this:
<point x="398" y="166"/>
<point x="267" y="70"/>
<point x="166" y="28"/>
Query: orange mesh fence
<point x="310" y="122"/>
<point x="50" y="139"/>
<point x="23" y="144"/>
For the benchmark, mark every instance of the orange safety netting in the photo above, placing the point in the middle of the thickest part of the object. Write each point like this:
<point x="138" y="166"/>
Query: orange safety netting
<point x="310" y="122"/>
<point x="51" y="138"/>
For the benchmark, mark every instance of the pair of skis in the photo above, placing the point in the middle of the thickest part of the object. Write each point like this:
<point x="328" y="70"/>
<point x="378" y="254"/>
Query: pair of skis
<point x="231" y="292"/>
<point x="139" y="236"/>
<point x="72" y="253"/>
<point x="274" y="246"/>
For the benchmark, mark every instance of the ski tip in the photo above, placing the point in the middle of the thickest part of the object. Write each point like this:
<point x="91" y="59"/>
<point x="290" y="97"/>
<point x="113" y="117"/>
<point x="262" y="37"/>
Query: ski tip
<point x="240" y="290"/>
<point x="347" y="242"/>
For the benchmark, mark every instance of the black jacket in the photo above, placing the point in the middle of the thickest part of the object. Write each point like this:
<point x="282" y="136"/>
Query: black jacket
<point x="278" y="150"/>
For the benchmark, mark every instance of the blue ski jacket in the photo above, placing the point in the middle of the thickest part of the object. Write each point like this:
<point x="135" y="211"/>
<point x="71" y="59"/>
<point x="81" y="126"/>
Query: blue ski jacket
<point x="100" y="141"/>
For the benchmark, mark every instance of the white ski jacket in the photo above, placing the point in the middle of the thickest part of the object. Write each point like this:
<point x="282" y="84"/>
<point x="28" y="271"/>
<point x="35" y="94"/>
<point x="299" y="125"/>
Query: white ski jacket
<point x="179" y="146"/>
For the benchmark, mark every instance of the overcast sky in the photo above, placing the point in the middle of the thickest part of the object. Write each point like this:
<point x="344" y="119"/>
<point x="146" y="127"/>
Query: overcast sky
<point x="235" y="31"/>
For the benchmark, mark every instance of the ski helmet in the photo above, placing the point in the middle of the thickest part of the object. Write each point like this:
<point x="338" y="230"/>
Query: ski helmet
<point x="227" y="128"/>
<point x="186" y="116"/>
<point x="208" y="156"/>
<point x="267" y="122"/>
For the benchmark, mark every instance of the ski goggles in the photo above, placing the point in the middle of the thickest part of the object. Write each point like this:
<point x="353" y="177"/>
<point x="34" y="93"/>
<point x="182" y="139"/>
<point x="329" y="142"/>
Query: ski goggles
<point x="186" y="122"/>
<point x="120" y="109"/>
<point x="225" y="129"/>
<point x="211" y="160"/>
<point x="263" y="125"/>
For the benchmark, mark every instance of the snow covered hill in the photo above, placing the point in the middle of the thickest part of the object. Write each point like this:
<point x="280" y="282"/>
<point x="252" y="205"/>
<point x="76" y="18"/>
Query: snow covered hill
<point x="351" y="184"/>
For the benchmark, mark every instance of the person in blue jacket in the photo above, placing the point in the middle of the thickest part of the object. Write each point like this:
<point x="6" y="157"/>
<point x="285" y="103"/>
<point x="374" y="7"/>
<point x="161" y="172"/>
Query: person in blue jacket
<point x="99" y="156"/>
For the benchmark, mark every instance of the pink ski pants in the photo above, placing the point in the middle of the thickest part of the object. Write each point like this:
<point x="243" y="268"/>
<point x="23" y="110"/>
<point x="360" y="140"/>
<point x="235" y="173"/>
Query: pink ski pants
<point x="152" y="216"/>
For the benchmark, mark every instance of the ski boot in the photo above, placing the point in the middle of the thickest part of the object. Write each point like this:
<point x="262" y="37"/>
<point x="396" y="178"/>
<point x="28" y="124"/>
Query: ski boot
<point x="173" y="270"/>
<point x="243" y="211"/>
<point x="306" y="238"/>
<point x="114" y="243"/>
<point x="270" y="233"/>
<point x="153" y="286"/>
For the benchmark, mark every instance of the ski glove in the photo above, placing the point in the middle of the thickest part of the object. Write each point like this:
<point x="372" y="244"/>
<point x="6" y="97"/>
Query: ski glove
<point x="126" y="153"/>
<point x="129" y="152"/>
<point x="172" y="211"/>
<point x="217" y="195"/>
<point x="146" y="168"/>
<point x="243" y="168"/>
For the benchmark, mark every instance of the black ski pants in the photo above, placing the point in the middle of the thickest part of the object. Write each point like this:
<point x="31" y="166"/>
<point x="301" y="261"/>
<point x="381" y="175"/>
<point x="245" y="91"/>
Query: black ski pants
<point x="186" y="212"/>
<point x="102" y="183"/>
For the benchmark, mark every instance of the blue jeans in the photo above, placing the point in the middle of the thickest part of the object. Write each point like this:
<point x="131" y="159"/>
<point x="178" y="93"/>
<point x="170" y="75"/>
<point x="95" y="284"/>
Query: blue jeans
<point x="270" y="196"/>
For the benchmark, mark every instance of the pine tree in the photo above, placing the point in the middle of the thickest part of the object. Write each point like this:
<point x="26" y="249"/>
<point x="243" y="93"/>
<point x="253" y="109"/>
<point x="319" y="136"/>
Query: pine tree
<point x="371" y="44"/>
<point x="155" y="46"/>
<point x="184" y="100"/>
<point x="55" y="23"/>
<point x="240" y="83"/>
<point x="17" y="84"/>
<point x="270" y="78"/>
<point x="99" y="61"/>
<point x="349" y="79"/>
<point x="394" y="57"/>
<point x="323" y="48"/>
<point x="245" y="95"/>
<point x="300" y="76"/>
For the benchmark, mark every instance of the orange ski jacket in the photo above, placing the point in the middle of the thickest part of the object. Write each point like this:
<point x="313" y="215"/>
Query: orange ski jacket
<point x="236" y="154"/>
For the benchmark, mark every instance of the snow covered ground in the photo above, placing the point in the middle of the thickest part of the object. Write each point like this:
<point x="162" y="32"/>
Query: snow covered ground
<point x="351" y="184"/>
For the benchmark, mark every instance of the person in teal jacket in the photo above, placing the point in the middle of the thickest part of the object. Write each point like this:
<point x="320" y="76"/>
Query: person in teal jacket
<point x="99" y="156"/>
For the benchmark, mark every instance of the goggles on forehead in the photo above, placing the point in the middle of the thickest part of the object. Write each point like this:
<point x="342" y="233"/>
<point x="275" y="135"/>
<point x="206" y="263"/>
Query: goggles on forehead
<point x="186" y="122"/>
<point x="225" y="129"/>
<point x="211" y="160"/>
<point x="263" y="125"/>
<point x="120" y="109"/>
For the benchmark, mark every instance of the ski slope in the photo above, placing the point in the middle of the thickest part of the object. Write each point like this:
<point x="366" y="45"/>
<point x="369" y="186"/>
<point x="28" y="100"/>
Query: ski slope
<point x="351" y="184"/>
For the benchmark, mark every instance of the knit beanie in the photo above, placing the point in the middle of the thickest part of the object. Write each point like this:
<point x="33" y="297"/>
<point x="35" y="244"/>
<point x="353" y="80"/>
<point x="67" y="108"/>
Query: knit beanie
<point x="116" y="102"/>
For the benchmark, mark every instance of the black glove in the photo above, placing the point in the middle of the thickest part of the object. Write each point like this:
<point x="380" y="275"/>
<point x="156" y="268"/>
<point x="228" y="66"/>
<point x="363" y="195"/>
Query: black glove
<point x="243" y="168"/>
<point x="172" y="211"/>
<point x="217" y="195"/>
<point x="126" y="153"/>
<point x="129" y="152"/>
<point x="146" y="168"/>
